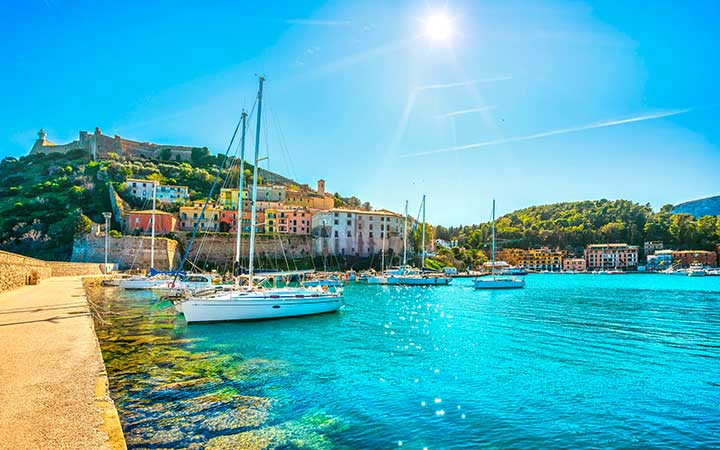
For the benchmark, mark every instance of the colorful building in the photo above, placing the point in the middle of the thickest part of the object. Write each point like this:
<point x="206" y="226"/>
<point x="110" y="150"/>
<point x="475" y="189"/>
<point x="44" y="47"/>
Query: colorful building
<point x="574" y="265"/>
<point x="512" y="256"/>
<point x="266" y="195"/>
<point x="166" y="193"/>
<point x="542" y="259"/>
<point x="684" y="258"/>
<point x="190" y="215"/>
<point x="294" y="221"/>
<point x="142" y="221"/>
<point x="659" y="260"/>
<point x="354" y="232"/>
<point x="306" y="198"/>
<point x="611" y="256"/>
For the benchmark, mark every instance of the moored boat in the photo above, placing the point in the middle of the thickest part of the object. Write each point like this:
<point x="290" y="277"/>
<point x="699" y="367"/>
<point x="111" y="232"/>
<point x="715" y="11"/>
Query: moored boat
<point x="492" y="281"/>
<point x="254" y="302"/>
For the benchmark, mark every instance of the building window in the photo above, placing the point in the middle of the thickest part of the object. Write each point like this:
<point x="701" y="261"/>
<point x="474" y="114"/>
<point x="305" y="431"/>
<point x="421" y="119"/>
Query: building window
<point x="349" y="234"/>
<point x="336" y="233"/>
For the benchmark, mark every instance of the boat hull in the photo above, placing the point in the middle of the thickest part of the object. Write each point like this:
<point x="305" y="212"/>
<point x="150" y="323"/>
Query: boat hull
<point x="256" y="307"/>
<point x="498" y="284"/>
<point x="142" y="284"/>
<point x="419" y="281"/>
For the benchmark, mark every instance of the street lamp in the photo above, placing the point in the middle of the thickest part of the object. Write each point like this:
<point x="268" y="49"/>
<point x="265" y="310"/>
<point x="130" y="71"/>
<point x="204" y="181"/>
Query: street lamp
<point x="107" y="217"/>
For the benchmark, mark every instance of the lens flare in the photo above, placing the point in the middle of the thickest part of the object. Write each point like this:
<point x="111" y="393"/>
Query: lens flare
<point x="438" y="27"/>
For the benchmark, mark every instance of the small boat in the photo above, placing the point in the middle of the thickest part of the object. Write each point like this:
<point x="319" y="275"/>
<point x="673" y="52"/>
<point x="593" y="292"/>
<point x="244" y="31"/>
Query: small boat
<point x="696" y="270"/>
<point x="492" y="281"/>
<point x="409" y="276"/>
<point x="611" y="272"/>
<point x="513" y="271"/>
<point x="188" y="283"/>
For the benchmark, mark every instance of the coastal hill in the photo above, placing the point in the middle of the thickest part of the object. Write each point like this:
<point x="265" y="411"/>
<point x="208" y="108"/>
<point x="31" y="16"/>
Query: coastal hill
<point x="709" y="206"/>
<point x="48" y="196"/>
<point x="573" y="225"/>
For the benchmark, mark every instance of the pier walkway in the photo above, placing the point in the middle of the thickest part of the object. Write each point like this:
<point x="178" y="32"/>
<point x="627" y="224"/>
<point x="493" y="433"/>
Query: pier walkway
<point x="53" y="388"/>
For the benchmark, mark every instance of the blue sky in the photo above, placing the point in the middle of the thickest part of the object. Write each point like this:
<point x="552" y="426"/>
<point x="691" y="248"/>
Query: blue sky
<point x="571" y="100"/>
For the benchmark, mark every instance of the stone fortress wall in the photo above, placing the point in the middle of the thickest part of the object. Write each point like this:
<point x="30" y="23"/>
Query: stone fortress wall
<point x="100" y="146"/>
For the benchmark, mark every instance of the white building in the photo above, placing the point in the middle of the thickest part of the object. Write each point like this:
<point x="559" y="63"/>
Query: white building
<point x="143" y="189"/>
<point x="354" y="232"/>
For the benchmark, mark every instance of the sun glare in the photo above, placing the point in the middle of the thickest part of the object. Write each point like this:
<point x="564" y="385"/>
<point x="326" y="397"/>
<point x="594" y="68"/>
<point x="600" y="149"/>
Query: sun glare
<point x="438" y="27"/>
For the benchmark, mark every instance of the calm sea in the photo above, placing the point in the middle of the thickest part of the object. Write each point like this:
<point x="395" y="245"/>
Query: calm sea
<point x="571" y="361"/>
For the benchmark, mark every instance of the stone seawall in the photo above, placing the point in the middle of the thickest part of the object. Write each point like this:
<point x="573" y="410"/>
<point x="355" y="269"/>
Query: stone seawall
<point x="73" y="269"/>
<point x="219" y="248"/>
<point x="17" y="270"/>
<point x="127" y="251"/>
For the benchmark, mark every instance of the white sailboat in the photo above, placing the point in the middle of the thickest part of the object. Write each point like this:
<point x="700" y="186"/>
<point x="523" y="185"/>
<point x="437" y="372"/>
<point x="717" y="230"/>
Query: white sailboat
<point x="409" y="276"/>
<point x="495" y="282"/>
<point x="153" y="280"/>
<point x="253" y="302"/>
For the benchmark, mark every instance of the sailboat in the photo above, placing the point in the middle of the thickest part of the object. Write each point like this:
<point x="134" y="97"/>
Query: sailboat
<point x="154" y="279"/>
<point x="252" y="302"/>
<point x="410" y="276"/>
<point x="495" y="282"/>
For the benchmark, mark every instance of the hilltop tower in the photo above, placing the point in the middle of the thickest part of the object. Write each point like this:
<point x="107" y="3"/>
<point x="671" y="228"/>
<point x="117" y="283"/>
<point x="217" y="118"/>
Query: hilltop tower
<point x="321" y="186"/>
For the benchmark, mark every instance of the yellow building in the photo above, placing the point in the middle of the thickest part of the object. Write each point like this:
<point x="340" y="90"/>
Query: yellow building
<point x="512" y="256"/>
<point x="189" y="216"/>
<point x="229" y="197"/>
<point x="542" y="259"/>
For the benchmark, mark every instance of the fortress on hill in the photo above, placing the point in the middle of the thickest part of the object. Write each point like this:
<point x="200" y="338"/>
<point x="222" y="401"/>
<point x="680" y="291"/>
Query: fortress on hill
<point x="99" y="146"/>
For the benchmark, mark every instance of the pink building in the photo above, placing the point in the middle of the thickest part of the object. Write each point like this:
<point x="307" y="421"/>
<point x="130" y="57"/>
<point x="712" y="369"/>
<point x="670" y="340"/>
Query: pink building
<point x="574" y="265"/>
<point x="611" y="256"/>
<point x="294" y="221"/>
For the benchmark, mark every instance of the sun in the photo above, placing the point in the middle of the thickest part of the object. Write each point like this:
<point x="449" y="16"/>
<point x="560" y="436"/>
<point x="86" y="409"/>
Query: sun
<point x="438" y="27"/>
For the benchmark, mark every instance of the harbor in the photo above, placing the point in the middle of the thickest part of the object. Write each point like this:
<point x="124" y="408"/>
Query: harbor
<point x="537" y="361"/>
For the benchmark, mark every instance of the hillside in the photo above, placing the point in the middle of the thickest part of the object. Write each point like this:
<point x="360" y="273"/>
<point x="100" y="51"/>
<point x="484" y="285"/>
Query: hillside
<point x="709" y="206"/>
<point x="573" y="225"/>
<point x="45" y="199"/>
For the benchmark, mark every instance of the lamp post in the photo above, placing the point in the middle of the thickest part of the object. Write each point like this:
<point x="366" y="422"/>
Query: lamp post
<point x="107" y="217"/>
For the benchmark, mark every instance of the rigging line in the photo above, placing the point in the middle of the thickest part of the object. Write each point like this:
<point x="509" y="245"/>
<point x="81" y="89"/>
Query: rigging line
<point x="207" y="200"/>
<point x="283" y="146"/>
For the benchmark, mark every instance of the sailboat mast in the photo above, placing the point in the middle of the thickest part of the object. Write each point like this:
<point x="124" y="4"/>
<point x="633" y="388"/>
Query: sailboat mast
<point x="251" y="262"/>
<point x="384" y="231"/>
<point x="422" y="258"/>
<point x="238" y="221"/>
<point x="405" y="238"/>
<point x="152" y="227"/>
<point x="493" y="239"/>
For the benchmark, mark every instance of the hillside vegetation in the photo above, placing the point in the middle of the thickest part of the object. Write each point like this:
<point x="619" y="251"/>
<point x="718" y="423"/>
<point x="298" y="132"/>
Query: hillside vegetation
<point x="46" y="199"/>
<point x="573" y="225"/>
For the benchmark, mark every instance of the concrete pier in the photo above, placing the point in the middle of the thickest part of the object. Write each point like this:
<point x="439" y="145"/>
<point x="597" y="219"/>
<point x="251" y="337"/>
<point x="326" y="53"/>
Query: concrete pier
<point x="53" y="387"/>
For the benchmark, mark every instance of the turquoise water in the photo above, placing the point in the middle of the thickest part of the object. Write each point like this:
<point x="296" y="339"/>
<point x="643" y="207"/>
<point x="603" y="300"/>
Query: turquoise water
<point x="571" y="361"/>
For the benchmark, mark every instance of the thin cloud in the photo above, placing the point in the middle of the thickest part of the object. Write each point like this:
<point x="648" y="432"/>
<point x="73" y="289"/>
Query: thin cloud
<point x="428" y="87"/>
<point x="530" y="137"/>
<point x="320" y="23"/>
<point x="464" y="111"/>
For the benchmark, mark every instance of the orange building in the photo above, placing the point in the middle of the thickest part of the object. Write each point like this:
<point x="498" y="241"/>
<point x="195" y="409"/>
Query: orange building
<point x="685" y="258"/>
<point x="142" y="220"/>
